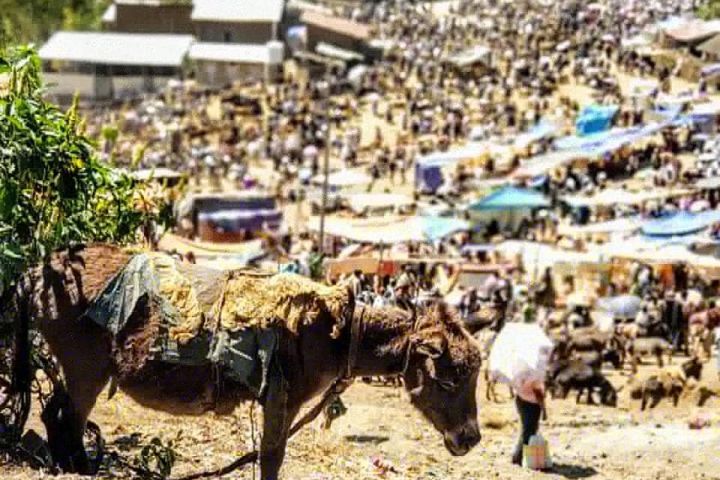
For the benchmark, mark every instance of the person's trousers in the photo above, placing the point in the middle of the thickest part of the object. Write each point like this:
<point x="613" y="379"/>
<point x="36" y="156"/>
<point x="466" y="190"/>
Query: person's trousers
<point x="529" y="421"/>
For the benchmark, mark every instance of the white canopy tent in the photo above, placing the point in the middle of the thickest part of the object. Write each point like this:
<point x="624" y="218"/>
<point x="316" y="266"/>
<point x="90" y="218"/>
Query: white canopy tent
<point x="619" y="196"/>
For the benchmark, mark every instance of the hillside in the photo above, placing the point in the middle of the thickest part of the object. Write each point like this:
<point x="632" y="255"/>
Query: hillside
<point x="23" y="21"/>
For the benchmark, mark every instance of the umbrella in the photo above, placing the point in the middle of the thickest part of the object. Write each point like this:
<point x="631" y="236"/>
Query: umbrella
<point x="622" y="306"/>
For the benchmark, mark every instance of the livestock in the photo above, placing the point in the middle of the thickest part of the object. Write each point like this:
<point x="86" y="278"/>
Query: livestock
<point x="670" y="381"/>
<point x="576" y="375"/>
<point x="436" y="356"/>
<point x="649" y="346"/>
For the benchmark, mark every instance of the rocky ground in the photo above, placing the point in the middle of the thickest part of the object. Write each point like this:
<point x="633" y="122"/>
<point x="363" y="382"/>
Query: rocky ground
<point x="586" y="441"/>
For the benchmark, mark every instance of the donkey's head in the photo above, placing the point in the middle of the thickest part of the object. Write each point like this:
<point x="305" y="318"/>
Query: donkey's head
<point x="441" y="377"/>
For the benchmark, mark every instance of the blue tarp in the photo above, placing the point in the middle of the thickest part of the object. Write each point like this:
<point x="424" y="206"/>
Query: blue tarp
<point x="681" y="223"/>
<point x="595" y="118"/>
<point x="511" y="198"/>
<point x="437" y="228"/>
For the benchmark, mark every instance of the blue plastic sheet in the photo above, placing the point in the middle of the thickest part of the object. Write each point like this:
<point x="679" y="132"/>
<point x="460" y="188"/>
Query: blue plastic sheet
<point x="511" y="198"/>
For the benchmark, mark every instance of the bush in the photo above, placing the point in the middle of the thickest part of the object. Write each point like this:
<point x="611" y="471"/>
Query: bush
<point x="54" y="191"/>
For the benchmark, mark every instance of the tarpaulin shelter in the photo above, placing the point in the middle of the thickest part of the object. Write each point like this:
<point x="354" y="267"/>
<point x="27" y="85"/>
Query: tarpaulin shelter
<point x="362" y="202"/>
<point x="544" y="129"/>
<point x="508" y="206"/>
<point x="228" y="216"/>
<point x="216" y="226"/>
<point x="694" y="32"/>
<point x="344" y="178"/>
<point x="595" y="118"/>
<point x="428" y="169"/>
<point x="619" y="196"/>
<point x="392" y="230"/>
<point x="610" y="140"/>
<point x="546" y="162"/>
<point x="511" y="198"/>
<point x="623" y="225"/>
<point x="681" y="223"/>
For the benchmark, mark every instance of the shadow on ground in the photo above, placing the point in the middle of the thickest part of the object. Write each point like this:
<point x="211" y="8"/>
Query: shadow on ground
<point x="573" y="471"/>
<point x="371" y="439"/>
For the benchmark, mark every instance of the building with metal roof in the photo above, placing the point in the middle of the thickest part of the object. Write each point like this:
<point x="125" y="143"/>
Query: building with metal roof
<point x="149" y="16"/>
<point x="237" y="21"/>
<point x="219" y="64"/>
<point x="104" y="65"/>
<point x="106" y="48"/>
<point x="238" y="11"/>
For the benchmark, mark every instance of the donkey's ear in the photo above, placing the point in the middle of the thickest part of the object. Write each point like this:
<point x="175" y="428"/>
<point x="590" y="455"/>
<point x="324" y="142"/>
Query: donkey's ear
<point x="432" y="347"/>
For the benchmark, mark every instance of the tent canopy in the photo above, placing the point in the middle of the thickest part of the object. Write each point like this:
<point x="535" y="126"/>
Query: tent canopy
<point x="428" y="175"/>
<point x="344" y="178"/>
<point x="538" y="132"/>
<point x="619" y="196"/>
<point x="511" y="198"/>
<point x="595" y="118"/>
<point x="392" y="230"/>
<point x="360" y="202"/>
<point x="681" y="223"/>
<point x="618" y="225"/>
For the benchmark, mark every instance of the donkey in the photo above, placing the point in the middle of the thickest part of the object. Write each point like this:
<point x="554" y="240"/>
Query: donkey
<point x="435" y="355"/>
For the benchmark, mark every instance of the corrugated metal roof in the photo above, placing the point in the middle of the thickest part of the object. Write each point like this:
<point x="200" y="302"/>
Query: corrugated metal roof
<point x="339" y="25"/>
<point x="155" y="50"/>
<point x="230" y="52"/>
<point x="238" y="10"/>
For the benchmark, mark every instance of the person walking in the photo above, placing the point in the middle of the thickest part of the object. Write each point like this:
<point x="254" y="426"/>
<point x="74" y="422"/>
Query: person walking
<point x="530" y="405"/>
<point x="519" y="357"/>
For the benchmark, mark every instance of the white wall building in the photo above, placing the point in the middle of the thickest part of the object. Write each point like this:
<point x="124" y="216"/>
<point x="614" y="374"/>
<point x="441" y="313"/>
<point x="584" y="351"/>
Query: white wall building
<point x="103" y="65"/>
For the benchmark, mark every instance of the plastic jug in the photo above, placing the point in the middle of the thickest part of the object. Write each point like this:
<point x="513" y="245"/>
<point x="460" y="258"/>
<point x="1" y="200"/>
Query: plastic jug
<point x="536" y="454"/>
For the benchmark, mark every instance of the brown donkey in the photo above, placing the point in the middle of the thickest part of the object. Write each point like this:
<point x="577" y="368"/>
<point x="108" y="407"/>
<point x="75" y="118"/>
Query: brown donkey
<point x="437" y="357"/>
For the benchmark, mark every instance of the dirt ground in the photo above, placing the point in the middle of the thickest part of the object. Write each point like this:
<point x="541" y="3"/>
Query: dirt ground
<point x="585" y="441"/>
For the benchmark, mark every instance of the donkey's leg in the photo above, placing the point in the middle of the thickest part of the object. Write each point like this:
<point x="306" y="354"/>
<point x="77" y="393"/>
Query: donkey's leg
<point x="86" y="361"/>
<point x="277" y="419"/>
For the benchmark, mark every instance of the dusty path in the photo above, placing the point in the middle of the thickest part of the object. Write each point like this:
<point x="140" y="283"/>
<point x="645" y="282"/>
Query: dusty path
<point x="586" y="442"/>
